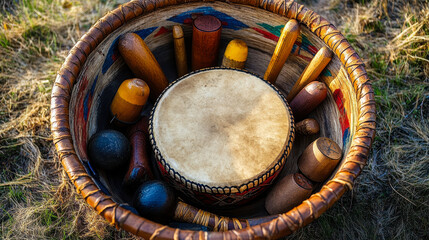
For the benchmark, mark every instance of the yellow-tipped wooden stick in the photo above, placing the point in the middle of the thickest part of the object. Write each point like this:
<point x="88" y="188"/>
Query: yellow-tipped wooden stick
<point x="142" y="63"/>
<point x="284" y="46"/>
<point x="235" y="55"/>
<point x="180" y="51"/>
<point x="311" y="72"/>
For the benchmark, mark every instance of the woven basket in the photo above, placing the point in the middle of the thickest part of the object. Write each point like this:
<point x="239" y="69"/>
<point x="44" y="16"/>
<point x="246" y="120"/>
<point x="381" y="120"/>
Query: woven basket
<point x="93" y="71"/>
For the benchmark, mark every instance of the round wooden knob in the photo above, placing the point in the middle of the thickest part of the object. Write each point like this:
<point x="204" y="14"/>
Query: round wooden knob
<point x="288" y="193"/>
<point x="205" y="41"/>
<point x="235" y="55"/>
<point x="129" y="100"/>
<point x="319" y="159"/>
<point x="308" y="126"/>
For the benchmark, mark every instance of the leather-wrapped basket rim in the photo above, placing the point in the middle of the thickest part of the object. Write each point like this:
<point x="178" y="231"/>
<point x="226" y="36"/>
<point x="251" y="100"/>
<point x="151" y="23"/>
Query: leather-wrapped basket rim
<point x="283" y="224"/>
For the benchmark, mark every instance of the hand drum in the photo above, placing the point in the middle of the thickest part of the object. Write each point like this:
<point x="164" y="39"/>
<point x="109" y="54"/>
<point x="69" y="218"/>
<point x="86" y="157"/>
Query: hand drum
<point x="221" y="135"/>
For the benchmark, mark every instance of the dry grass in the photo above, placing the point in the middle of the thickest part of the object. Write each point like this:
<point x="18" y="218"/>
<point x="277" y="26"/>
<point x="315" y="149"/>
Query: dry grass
<point x="390" y="199"/>
<point x="37" y="201"/>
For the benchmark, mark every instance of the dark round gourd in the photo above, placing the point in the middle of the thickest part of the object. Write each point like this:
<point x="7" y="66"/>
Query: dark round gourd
<point x="155" y="200"/>
<point x="109" y="149"/>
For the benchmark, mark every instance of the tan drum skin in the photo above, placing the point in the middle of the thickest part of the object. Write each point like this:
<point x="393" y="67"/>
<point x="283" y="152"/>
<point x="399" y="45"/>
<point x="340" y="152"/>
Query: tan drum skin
<point x="222" y="132"/>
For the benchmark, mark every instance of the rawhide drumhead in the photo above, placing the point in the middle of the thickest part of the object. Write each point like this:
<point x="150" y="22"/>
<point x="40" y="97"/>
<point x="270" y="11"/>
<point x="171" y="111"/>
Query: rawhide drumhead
<point x="221" y="135"/>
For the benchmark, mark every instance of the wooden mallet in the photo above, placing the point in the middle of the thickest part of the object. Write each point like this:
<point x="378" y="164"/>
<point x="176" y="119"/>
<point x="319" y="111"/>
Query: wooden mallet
<point x="311" y="72"/>
<point x="283" y="48"/>
<point x="139" y="166"/>
<point x="180" y="51"/>
<point x="142" y="63"/>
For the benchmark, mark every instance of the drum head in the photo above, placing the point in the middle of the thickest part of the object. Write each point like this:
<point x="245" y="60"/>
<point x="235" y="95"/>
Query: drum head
<point x="221" y="127"/>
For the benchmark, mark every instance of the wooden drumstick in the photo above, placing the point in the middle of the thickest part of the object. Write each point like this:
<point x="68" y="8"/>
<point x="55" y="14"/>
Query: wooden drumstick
<point x="139" y="167"/>
<point x="288" y="193"/>
<point x="180" y="51"/>
<point x="205" y="41"/>
<point x="235" y="55"/>
<point x="142" y="63"/>
<point x="308" y="99"/>
<point x="311" y="72"/>
<point x="129" y="100"/>
<point x="183" y="212"/>
<point x="308" y="126"/>
<point x="319" y="159"/>
<point x="284" y="46"/>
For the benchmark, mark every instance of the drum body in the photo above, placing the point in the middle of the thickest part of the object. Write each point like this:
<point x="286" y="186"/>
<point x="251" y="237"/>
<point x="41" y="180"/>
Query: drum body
<point x="221" y="136"/>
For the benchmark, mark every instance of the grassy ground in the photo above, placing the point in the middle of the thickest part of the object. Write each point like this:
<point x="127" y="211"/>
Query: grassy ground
<point x="390" y="199"/>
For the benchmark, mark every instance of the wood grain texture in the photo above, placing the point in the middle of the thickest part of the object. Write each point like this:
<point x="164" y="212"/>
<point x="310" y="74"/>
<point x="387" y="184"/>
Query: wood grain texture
<point x="308" y="126"/>
<point x="205" y="41"/>
<point x="180" y="51"/>
<point x="311" y="72"/>
<point x="142" y="63"/>
<point x="139" y="168"/>
<point x="129" y="100"/>
<point x="284" y="46"/>
<point x="282" y="225"/>
<point x="289" y="192"/>
<point x="319" y="159"/>
<point x="308" y="99"/>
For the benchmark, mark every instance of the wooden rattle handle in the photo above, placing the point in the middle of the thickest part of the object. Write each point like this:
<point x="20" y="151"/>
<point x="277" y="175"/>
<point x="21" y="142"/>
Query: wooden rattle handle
<point x="142" y="63"/>
<point x="284" y="46"/>
<point x="139" y="168"/>
<point x="311" y="72"/>
<point x="180" y="51"/>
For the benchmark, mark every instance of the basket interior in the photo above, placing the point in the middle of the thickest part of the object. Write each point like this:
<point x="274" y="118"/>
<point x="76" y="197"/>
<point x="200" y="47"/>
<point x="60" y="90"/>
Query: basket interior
<point x="104" y="71"/>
